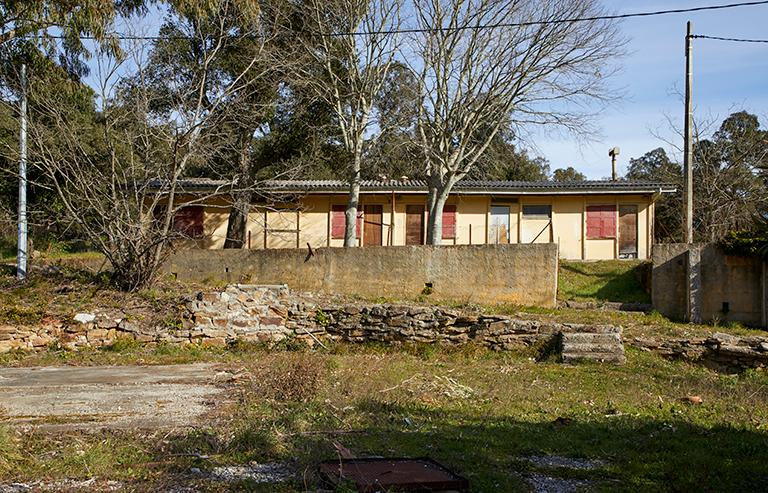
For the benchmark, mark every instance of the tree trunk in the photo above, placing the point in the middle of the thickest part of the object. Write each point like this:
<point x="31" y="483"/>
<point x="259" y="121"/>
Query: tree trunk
<point x="238" y="220"/>
<point x="238" y="213"/>
<point x="437" y="200"/>
<point x="350" y="230"/>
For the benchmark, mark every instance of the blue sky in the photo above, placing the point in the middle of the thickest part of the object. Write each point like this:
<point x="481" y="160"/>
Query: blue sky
<point x="727" y="77"/>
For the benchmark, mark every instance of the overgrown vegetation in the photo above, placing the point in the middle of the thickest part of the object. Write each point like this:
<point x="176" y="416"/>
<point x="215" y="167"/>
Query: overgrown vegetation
<point x="478" y="412"/>
<point x="609" y="280"/>
<point x="747" y="243"/>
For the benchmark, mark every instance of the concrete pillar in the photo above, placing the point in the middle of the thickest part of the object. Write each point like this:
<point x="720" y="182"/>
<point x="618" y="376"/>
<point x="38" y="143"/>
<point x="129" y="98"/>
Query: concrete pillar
<point x="693" y="284"/>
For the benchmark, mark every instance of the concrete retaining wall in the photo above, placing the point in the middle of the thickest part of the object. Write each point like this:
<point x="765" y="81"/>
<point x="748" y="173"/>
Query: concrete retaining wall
<point x="668" y="280"/>
<point x="729" y="287"/>
<point x="488" y="274"/>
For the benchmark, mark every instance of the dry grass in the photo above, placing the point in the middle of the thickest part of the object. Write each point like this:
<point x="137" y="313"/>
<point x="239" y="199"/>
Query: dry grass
<point x="477" y="411"/>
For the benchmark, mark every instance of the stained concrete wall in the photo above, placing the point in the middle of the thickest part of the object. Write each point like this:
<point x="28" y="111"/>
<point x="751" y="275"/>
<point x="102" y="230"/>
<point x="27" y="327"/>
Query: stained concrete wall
<point x="739" y="282"/>
<point x="518" y="274"/>
<point x="668" y="279"/>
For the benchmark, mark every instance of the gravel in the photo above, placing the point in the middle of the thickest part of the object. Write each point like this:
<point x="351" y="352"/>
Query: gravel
<point x="568" y="462"/>
<point x="541" y="483"/>
<point x="270" y="472"/>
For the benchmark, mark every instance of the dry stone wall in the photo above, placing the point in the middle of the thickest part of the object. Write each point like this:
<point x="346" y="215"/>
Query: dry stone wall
<point x="724" y="352"/>
<point x="272" y="313"/>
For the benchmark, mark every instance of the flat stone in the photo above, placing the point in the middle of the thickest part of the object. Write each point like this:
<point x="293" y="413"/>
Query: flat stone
<point x="97" y="334"/>
<point x="84" y="318"/>
<point x="271" y="321"/>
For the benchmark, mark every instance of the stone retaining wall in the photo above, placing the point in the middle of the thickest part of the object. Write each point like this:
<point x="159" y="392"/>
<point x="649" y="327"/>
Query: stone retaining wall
<point x="724" y="352"/>
<point x="272" y="313"/>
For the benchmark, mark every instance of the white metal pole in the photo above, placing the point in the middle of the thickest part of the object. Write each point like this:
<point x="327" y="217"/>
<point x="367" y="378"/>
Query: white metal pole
<point x="688" y="157"/>
<point x="21" y="254"/>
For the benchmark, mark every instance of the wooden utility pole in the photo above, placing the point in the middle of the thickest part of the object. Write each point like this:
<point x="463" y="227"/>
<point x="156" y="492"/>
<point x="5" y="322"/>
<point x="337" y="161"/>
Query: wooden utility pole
<point x="688" y="157"/>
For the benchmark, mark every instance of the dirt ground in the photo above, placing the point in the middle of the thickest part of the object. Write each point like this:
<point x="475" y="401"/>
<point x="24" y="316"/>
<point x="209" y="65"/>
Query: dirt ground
<point x="123" y="397"/>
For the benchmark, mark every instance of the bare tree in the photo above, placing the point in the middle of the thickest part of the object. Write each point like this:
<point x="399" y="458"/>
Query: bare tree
<point x="729" y="191"/>
<point x="121" y="177"/>
<point x="354" y="48"/>
<point x="528" y="68"/>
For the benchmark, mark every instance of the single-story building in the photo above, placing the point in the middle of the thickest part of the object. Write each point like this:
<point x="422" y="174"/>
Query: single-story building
<point x="588" y="219"/>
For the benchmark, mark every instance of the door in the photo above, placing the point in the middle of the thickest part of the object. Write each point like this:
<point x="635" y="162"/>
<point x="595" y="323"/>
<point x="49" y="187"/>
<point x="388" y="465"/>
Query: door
<point x="498" y="232"/>
<point x="627" y="231"/>
<point x="414" y="224"/>
<point x="373" y="225"/>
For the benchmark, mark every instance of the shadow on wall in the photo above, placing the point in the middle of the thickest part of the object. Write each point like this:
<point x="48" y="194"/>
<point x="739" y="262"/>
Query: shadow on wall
<point x="639" y="454"/>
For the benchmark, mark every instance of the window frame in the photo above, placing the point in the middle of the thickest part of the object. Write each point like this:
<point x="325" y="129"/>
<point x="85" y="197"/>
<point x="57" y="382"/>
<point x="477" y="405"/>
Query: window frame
<point x="537" y="216"/>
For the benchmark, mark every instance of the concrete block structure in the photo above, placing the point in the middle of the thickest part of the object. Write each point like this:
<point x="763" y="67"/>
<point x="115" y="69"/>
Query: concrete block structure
<point x="589" y="220"/>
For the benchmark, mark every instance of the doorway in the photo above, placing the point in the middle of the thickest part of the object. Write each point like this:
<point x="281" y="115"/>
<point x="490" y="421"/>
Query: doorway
<point x="627" y="231"/>
<point x="372" y="218"/>
<point x="498" y="232"/>
<point x="414" y="224"/>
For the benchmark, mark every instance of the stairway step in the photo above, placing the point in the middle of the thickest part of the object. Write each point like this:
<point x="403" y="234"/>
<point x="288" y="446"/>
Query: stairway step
<point x="590" y="338"/>
<point x="592" y="348"/>
<point x="593" y="356"/>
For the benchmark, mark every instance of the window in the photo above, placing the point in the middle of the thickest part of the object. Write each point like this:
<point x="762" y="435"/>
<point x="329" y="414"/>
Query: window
<point x="338" y="221"/>
<point x="189" y="221"/>
<point x="537" y="211"/>
<point x="449" y="221"/>
<point x="601" y="221"/>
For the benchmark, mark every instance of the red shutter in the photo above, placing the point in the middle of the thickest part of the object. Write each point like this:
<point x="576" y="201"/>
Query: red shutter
<point x="337" y="221"/>
<point x="189" y="221"/>
<point x="449" y="221"/>
<point x="609" y="223"/>
<point x="601" y="221"/>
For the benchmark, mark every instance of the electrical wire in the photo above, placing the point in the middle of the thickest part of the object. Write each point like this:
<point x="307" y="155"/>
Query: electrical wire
<point x="482" y="26"/>
<point x="738" y="40"/>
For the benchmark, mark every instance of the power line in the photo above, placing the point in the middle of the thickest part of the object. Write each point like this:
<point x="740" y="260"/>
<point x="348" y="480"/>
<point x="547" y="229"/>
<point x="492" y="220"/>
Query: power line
<point x="482" y="26"/>
<point x="738" y="40"/>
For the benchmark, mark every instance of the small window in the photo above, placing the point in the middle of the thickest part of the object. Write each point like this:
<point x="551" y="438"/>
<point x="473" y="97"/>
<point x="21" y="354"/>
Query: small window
<point x="189" y="221"/>
<point x="537" y="212"/>
<point x="339" y="221"/>
<point x="449" y="221"/>
<point x="601" y="222"/>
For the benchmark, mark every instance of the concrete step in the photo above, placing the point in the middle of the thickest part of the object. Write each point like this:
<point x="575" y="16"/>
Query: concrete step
<point x="617" y="358"/>
<point x="590" y="346"/>
<point x="590" y="338"/>
<point x="593" y="348"/>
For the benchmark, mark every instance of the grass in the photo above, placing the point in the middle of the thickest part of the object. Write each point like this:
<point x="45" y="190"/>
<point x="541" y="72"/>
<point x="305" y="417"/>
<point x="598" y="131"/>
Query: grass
<point x="479" y="412"/>
<point x="609" y="280"/>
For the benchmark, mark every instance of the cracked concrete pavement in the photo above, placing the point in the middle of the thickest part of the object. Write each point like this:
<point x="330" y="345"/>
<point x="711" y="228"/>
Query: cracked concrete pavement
<point x="113" y="396"/>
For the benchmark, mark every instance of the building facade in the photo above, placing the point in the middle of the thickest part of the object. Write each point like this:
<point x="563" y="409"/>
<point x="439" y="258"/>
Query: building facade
<point x="590" y="220"/>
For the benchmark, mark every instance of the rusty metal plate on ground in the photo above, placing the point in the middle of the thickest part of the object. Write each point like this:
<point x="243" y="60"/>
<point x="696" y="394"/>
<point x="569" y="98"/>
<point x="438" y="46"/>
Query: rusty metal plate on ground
<point x="372" y="475"/>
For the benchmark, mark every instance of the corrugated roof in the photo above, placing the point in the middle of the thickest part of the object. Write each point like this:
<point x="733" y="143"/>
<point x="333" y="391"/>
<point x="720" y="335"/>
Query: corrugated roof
<point x="463" y="186"/>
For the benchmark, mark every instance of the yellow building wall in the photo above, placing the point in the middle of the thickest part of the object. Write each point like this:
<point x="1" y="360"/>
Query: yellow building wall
<point x="567" y="228"/>
<point x="567" y="220"/>
<point x="315" y="221"/>
<point x="536" y="230"/>
<point x="471" y="219"/>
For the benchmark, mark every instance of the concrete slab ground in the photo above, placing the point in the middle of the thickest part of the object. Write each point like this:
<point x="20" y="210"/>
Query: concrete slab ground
<point x="112" y="396"/>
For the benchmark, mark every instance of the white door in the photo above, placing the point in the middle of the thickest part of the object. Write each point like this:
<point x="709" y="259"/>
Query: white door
<point x="499" y="229"/>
